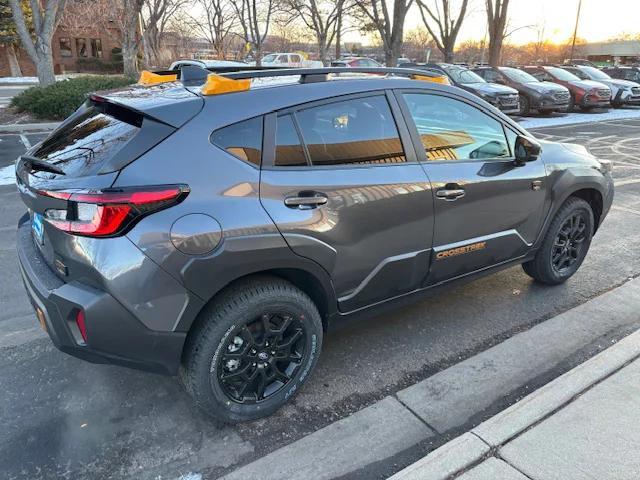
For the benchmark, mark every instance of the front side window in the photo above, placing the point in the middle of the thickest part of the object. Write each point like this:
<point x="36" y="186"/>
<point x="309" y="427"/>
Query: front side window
<point x="491" y="76"/>
<point x="243" y="140"/>
<point x="357" y="131"/>
<point x="453" y="130"/>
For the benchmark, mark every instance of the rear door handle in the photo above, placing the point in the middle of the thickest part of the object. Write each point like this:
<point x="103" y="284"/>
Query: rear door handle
<point x="306" y="201"/>
<point x="450" y="194"/>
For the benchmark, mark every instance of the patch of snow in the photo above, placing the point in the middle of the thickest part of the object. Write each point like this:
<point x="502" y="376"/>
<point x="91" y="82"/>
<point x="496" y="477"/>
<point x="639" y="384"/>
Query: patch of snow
<point x="576" y="118"/>
<point x="8" y="175"/>
<point x="34" y="80"/>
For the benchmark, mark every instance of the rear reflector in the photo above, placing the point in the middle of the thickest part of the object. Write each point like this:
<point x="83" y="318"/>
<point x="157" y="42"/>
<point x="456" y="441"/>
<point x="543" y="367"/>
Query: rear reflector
<point x="109" y="213"/>
<point x="81" y="325"/>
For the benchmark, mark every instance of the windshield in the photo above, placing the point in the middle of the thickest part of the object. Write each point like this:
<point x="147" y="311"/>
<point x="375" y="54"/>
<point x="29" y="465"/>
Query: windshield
<point x="269" y="58"/>
<point x="577" y="72"/>
<point x="561" y="74"/>
<point x="518" y="75"/>
<point x="596" y="74"/>
<point x="462" y="75"/>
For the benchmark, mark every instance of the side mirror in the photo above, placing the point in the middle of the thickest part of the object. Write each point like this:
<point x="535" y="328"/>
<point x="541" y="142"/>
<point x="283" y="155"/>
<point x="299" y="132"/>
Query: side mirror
<point x="526" y="150"/>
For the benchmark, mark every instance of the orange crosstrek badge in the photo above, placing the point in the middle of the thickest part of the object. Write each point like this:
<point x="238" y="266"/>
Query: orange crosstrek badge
<point x="454" y="252"/>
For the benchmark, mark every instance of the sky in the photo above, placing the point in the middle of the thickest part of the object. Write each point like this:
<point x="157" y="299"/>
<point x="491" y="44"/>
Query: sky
<point x="599" y="19"/>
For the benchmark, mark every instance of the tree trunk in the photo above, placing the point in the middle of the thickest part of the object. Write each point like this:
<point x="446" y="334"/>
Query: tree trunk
<point x="258" y="53"/>
<point x="130" y="63"/>
<point x="495" y="48"/>
<point x="14" y="64"/>
<point x="44" y="63"/>
<point x="448" y="55"/>
<point x="322" y="49"/>
<point x="339" y="35"/>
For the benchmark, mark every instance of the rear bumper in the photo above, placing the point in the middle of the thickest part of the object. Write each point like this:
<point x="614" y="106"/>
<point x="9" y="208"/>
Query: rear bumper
<point x="114" y="335"/>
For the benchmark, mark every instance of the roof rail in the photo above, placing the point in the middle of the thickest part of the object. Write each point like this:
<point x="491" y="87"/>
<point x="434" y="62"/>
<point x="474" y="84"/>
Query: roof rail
<point x="217" y="80"/>
<point x="311" y="75"/>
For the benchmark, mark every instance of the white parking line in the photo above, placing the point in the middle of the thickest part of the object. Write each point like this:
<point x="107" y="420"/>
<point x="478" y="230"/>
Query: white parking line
<point x="25" y="141"/>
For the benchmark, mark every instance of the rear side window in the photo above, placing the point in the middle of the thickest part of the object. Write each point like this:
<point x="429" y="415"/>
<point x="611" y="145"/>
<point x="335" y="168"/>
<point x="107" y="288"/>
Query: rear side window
<point x="289" y="152"/>
<point x="357" y="131"/>
<point x="243" y="140"/>
<point x="93" y="138"/>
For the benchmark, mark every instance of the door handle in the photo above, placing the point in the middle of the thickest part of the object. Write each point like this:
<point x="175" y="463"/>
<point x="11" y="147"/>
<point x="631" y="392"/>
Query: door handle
<point x="450" y="194"/>
<point x="306" y="201"/>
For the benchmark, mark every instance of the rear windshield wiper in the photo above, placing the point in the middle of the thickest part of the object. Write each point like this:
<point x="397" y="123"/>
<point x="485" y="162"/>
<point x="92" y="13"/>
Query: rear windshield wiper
<point x="34" y="163"/>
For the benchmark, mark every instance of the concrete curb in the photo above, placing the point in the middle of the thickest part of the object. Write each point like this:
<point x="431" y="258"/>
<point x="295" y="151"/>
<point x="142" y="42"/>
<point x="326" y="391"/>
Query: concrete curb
<point x="28" y="127"/>
<point x="451" y="459"/>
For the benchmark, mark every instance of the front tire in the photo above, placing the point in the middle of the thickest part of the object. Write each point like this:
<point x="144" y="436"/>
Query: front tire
<point x="252" y="349"/>
<point x="565" y="244"/>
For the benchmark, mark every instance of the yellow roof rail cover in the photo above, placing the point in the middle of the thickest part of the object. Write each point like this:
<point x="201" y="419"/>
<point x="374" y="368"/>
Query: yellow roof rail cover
<point x="217" y="84"/>
<point x="150" y="78"/>
<point x="436" y="79"/>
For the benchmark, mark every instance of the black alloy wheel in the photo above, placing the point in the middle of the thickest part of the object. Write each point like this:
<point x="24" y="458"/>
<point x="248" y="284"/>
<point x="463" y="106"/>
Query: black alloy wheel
<point x="252" y="349"/>
<point x="565" y="243"/>
<point x="569" y="242"/>
<point x="261" y="357"/>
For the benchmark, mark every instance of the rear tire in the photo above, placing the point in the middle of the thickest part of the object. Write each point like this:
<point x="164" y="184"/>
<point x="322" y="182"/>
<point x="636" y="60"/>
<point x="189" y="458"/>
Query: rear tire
<point x="252" y="349"/>
<point x="565" y="244"/>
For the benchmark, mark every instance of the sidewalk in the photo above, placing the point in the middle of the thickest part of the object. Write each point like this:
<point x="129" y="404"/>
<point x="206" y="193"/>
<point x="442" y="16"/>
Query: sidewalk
<point x="583" y="425"/>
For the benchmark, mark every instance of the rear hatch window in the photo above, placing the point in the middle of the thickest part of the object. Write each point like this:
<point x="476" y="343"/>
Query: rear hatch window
<point x="94" y="136"/>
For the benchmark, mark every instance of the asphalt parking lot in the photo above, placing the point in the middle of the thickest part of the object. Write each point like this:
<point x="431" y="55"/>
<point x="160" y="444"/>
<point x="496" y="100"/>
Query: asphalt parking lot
<point x="63" y="418"/>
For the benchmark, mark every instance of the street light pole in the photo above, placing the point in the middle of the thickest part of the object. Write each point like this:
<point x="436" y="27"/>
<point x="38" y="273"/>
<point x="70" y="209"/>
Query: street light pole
<point x="575" y="31"/>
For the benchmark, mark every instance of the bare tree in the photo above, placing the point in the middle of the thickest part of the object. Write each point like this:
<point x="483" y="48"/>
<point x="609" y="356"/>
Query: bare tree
<point x="216" y="23"/>
<point x="155" y="17"/>
<point x="255" y="18"/>
<point x="441" y="24"/>
<point x="45" y="19"/>
<point x="497" y="11"/>
<point x="389" y="25"/>
<point x="321" y="17"/>
<point x="417" y="44"/>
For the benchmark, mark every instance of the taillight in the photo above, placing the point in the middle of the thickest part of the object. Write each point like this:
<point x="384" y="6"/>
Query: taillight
<point x="107" y="213"/>
<point x="81" y="324"/>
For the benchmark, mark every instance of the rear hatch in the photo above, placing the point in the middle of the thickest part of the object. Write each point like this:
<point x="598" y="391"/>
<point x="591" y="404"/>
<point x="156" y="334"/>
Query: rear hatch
<point x="69" y="174"/>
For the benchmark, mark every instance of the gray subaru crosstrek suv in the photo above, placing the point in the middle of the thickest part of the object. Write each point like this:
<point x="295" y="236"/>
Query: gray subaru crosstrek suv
<point x="216" y="228"/>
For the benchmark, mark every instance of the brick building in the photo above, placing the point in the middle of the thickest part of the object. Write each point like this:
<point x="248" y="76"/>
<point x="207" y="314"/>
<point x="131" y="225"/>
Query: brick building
<point x="89" y="49"/>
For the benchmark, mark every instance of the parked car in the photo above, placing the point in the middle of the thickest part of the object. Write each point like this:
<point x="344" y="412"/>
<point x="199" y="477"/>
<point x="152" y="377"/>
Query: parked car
<point x="295" y="209"/>
<point x="291" y="60"/>
<point x="500" y="96"/>
<point x="585" y="94"/>
<point x="356" y="62"/>
<point x="623" y="92"/>
<point x="206" y="63"/>
<point x="402" y="61"/>
<point x="545" y="97"/>
<point x="624" y="73"/>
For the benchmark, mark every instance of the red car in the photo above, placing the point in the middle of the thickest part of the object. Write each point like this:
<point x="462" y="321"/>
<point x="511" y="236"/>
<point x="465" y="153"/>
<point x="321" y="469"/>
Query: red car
<point x="586" y="94"/>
